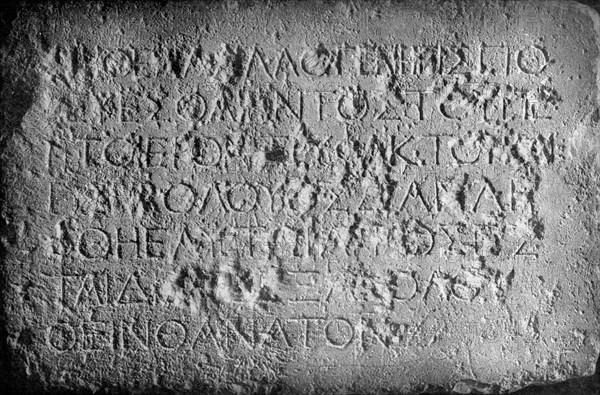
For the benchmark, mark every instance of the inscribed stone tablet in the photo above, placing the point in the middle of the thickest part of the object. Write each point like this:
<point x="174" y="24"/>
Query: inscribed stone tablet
<point x="311" y="196"/>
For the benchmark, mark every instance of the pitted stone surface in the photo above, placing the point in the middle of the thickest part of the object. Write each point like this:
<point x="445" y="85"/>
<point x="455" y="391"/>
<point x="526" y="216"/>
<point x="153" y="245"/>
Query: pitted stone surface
<point x="301" y="197"/>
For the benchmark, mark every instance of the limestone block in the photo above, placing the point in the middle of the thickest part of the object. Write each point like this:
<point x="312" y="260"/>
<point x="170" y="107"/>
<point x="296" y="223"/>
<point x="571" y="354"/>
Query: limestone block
<point x="305" y="197"/>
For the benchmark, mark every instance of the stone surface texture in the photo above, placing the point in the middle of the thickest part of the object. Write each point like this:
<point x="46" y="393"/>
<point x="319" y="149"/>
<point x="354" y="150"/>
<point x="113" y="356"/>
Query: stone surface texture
<point x="300" y="197"/>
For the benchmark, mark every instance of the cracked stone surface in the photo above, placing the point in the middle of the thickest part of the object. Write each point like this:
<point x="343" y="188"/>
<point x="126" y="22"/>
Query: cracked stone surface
<point x="300" y="197"/>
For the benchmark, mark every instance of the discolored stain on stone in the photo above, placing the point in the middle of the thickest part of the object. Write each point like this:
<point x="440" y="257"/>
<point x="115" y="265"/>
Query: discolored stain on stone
<point x="300" y="197"/>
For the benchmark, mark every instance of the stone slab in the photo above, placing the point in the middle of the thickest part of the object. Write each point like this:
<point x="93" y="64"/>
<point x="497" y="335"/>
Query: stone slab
<point x="305" y="197"/>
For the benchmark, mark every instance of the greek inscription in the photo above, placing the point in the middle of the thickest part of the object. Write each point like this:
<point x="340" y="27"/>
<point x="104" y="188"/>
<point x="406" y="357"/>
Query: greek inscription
<point x="192" y="200"/>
